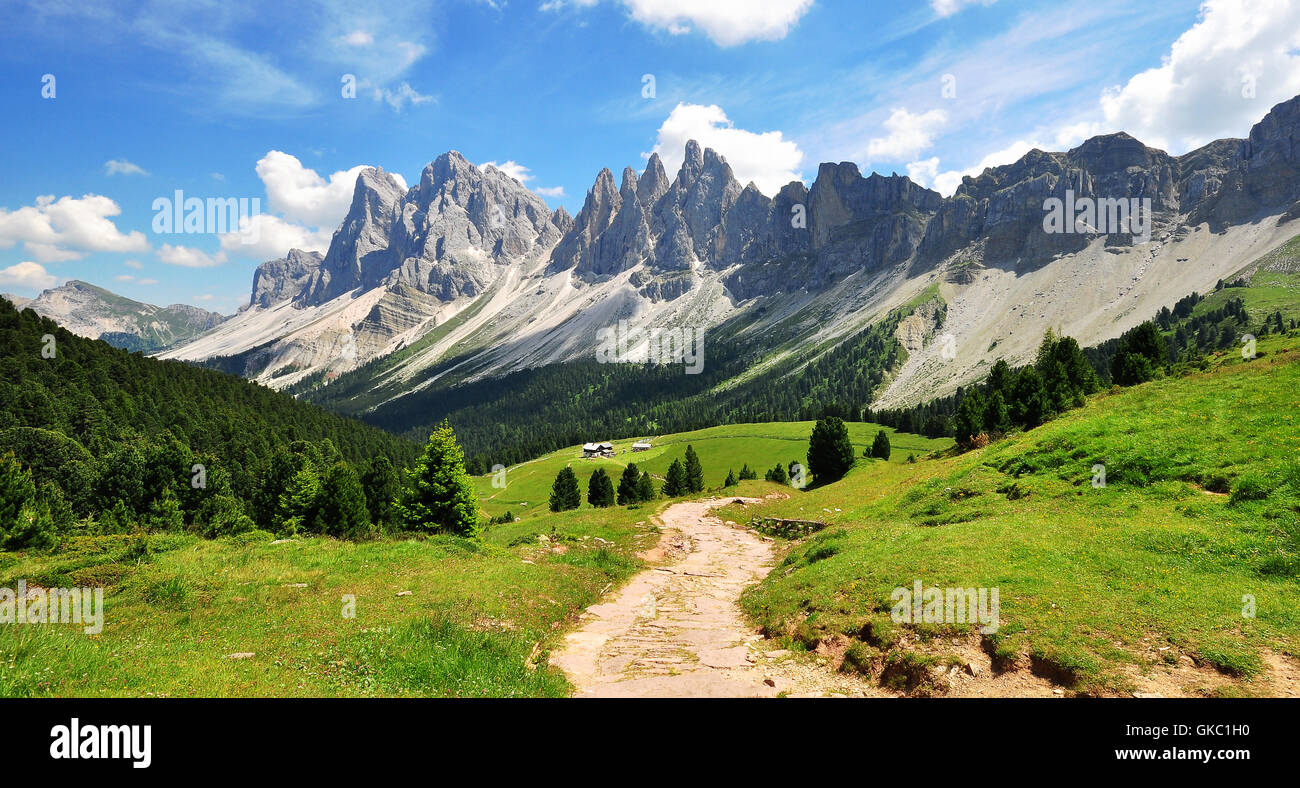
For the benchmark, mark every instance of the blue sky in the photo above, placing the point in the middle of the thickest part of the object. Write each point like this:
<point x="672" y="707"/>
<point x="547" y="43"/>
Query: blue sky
<point x="246" y="102"/>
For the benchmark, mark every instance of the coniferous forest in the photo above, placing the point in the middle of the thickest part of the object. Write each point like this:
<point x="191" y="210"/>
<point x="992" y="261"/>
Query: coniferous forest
<point x="94" y="439"/>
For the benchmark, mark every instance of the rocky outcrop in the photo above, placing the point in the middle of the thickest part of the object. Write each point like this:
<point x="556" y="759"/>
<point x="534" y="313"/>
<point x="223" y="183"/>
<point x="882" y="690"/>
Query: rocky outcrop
<point x="278" y="280"/>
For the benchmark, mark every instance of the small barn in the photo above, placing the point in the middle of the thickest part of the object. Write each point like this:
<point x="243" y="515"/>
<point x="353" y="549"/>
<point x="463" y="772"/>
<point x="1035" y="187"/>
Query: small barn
<point x="641" y="446"/>
<point x="590" y="450"/>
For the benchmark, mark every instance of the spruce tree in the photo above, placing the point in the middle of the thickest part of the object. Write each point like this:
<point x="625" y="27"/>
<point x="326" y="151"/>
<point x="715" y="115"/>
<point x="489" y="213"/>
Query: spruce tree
<point x="694" y="471"/>
<point x="627" y="485"/>
<point x="600" y="490"/>
<point x="997" y="416"/>
<point x="970" y="417"/>
<point x="344" y="512"/>
<point x="747" y="473"/>
<point x="564" y="492"/>
<point x="1029" y="404"/>
<point x="381" y="486"/>
<point x="731" y="480"/>
<point x="16" y="492"/>
<point x="880" y="448"/>
<point x="439" y="496"/>
<point x="830" y="452"/>
<point x="777" y="474"/>
<point x="675" y="480"/>
<point x="645" y="487"/>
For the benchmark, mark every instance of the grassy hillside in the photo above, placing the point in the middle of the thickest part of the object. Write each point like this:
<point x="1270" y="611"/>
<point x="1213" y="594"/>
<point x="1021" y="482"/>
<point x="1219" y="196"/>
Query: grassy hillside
<point x="477" y="622"/>
<point x="729" y="447"/>
<point x="1199" y="514"/>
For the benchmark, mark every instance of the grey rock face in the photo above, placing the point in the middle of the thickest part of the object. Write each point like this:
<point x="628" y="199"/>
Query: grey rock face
<point x="447" y="237"/>
<point x="278" y="280"/>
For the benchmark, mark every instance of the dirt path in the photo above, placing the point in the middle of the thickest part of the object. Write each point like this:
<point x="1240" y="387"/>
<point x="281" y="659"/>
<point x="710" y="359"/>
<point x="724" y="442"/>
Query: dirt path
<point x="676" y="630"/>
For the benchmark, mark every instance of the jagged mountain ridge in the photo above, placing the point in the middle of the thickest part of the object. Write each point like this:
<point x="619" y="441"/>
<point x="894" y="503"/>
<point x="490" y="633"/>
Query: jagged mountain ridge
<point x="96" y="313"/>
<point x="469" y="266"/>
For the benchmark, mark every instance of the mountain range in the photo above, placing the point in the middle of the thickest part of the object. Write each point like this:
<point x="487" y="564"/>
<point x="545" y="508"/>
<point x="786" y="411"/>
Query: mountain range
<point x="96" y="313"/>
<point x="468" y="276"/>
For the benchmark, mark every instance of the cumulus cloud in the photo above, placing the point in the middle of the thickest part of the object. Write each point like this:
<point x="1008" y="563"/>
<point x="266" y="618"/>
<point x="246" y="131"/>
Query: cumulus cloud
<point x="768" y="158"/>
<point x="1220" y="76"/>
<point x="122" y="167"/>
<point x="909" y="134"/>
<point x="300" y="194"/>
<point x="556" y="192"/>
<point x="304" y="209"/>
<point x="726" y="22"/>
<point x="55" y="230"/>
<point x="267" y="237"/>
<point x="27" y="276"/>
<point x="189" y="257"/>
<point x="512" y="168"/>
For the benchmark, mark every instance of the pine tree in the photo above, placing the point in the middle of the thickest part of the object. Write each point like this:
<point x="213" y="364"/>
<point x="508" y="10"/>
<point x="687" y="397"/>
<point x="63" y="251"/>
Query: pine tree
<point x="997" y="416"/>
<point x="746" y="473"/>
<point x="880" y="448"/>
<point x="299" y="509"/>
<point x="16" y="494"/>
<point x="675" y="480"/>
<point x="694" y="471"/>
<point x="439" y="495"/>
<point x="645" y="487"/>
<point x="970" y="417"/>
<point x="600" y="490"/>
<point x="165" y="513"/>
<point x="1029" y="404"/>
<point x="777" y="474"/>
<point x="830" y="452"/>
<point x="627" y="485"/>
<point x="381" y="485"/>
<point x="731" y="480"/>
<point x="564" y="492"/>
<point x="343" y="509"/>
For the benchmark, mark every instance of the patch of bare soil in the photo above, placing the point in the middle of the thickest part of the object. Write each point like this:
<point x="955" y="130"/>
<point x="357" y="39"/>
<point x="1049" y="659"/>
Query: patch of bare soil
<point x="676" y="630"/>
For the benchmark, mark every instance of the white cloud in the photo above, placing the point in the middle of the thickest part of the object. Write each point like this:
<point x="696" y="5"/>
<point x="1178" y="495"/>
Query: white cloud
<point x="28" y="276"/>
<point x="122" y="167"/>
<point x="947" y="182"/>
<point x="267" y="237"/>
<point x="305" y="208"/>
<point x="124" y="278"/>
<point x="512" y="168"/>
<point x="204" y="297"/>
<point x="1202" y="90"/>
<point x="555" y="192"/>
<point x="925" y="171"/>
<point x="726" y="22"/>
<point x="300" y="194"/>
<point x="767" y="159"/>
<point x="55" y="230"/>
<point x="189" y="257"/>
<point x="950" y="7"/>
<point x="909" y="134"/>
<point x="133" y="264"/>
<point x="148" y="281"/>
<point x="358" y="38"/>
<point x="399" y="96"/>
